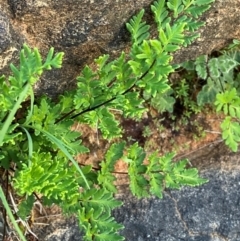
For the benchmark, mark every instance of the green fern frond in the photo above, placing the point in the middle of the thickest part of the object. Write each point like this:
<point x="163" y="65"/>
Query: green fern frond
<point x="123" y="72"/>
<point x="186" y="176"/>
<point x="31" y="66"/>
<point x="49" y="176"/>
<point x="159" y="173"/>
<point x="25" y="207"/>
<point x="192" y="25"/>
<point x="85" y="92"/>
<point x="229" y="103"/>
<point x="231" y="133"/>
<point x="176" y="6"/>
<point x="134" y="159"/>
<point x="108" y="124"/>
<point x="164" y="101"/>
<point x="98" y="224"/>
<point x="161" y="14"/>
<point x="208" y="92"/>
<point x="138" y="29"/>
<point x="47" y="142"/>
<point x="106" y="177"/>
<point x="99" y="198"/>
<point x="173" y="35"/>
<point x="131" y="105"/>
<point x="156" y="176"/>
<point x="198" y="10"/>
<point x="177" y="175"/>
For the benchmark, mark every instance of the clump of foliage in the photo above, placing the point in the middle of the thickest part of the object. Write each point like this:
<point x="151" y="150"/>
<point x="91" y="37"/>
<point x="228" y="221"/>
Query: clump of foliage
<point x="222" y="89"/>
<point x="38" y="145"/>
<point x="220" y="76"/>
<point x="209" y="81"/>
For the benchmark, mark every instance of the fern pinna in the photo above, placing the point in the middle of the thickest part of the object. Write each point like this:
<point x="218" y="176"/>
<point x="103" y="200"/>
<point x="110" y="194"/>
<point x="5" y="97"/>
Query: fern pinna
<point x="42" y="143"/>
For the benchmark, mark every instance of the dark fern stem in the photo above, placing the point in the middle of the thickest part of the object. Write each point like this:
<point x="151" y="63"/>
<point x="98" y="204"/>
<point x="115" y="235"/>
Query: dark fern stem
<point x="105" y="102"/>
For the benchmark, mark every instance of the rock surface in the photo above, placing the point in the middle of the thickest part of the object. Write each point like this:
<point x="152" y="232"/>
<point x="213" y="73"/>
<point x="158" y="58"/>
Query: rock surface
<point x="85" y="29"/>
<point x="210" y="212"/>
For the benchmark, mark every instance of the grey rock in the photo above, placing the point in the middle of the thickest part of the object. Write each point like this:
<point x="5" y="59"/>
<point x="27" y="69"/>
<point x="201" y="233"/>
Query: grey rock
<point x="5" y="37"/>
<point x="18" y="7"/>
<point x="10" y="43"/>
<point x="86" y="29"/>
<point x="210" y="212"/>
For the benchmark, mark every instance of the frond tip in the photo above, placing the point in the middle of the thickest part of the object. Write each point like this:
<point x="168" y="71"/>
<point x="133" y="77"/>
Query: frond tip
<point x="138" y="29"/>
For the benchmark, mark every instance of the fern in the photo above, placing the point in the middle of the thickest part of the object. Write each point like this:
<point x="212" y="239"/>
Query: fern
<point x="135" y="158"/>
<point x="95" y="217"/>
<point x="219" y="73"/>
<point x="229" y="103"/>
<point x="164" y="102"/>
<point x="199" y="8"/>
<point x="39" y="139"/>
<point x="172" y="34"/>
<point x="53" y="178"/>
<point x="25" y="207"/>
<point x="105" y="177"/>
<point x="156" y="177"/>
<point x="208" y="93"/>
<point x="221" y="89"/>
<point x="161" y="14"/>
<point x="173" y="175"/>
<point x="160" y="172"/>
<point x="138" y="28"/>
<point x="231" y="133"/>
<point x="99" y="225"/>
<point x="176" y="6"/>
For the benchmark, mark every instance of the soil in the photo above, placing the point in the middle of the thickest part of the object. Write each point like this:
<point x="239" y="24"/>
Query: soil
<point x="153" y="133"/>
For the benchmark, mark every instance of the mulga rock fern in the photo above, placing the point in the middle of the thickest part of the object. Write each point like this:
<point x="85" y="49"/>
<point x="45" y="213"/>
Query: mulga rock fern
<point x="37" y="144"/>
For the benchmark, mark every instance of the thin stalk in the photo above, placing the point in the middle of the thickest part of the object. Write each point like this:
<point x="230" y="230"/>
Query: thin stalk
<point x="11" y="115"/>
<point x="113" y="98"/>
<point x="10" y="215"/>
